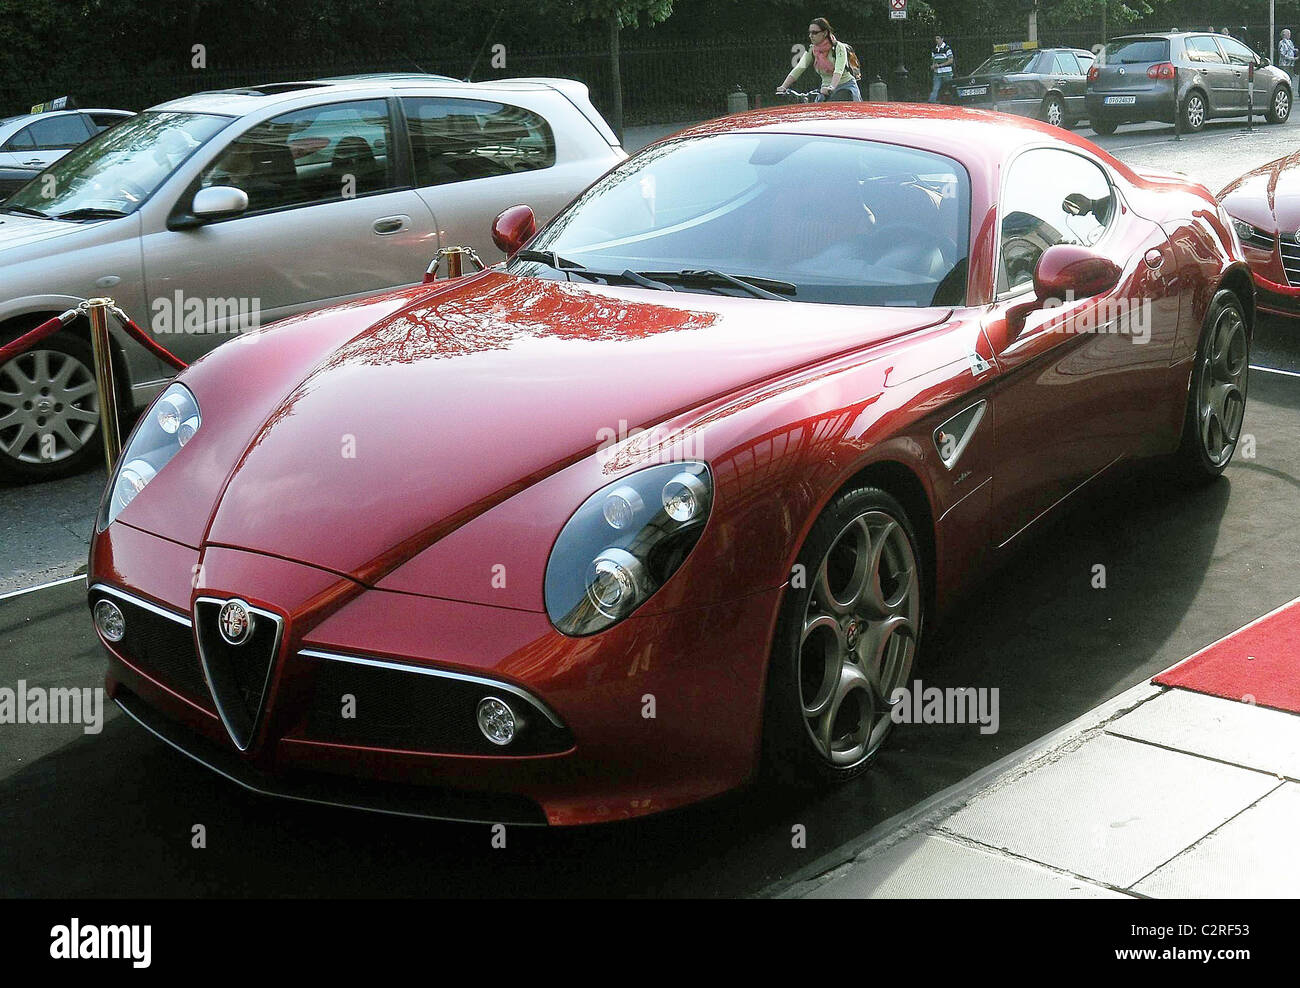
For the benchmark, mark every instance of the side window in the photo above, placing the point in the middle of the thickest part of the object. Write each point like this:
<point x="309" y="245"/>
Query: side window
<point x="458" y="140"/>
<point x="1202" y="48"/>
<point x="1238" y="54"/>
<point x="1085" y="61"/>
<point x="308" y="156"/>
<point x="1065" y="64"/>
<point x="60" y="133"/>
<point x="21" y="141"/>
<point x="1050" y="197"/>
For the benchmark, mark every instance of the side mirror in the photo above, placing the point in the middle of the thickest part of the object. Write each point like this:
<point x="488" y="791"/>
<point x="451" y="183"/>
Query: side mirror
<point x="513" y="228"/>
<point x="218" y="202"/>
<point x="1065" y="271"/>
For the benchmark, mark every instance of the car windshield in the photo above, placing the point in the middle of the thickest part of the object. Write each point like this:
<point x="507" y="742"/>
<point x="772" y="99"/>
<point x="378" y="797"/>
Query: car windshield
<point x="116" y="171"/>
<point x="1137" y="51"/>
<point x="812" y="219"/>
<point x="1007" y="62"/>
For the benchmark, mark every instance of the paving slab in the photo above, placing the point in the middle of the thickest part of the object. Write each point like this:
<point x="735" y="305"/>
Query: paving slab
<point x="933" y="867"/>
<point x="1112" y="810"/>
<point x="1253" y="856"/>
<point x="1238" y="733"/>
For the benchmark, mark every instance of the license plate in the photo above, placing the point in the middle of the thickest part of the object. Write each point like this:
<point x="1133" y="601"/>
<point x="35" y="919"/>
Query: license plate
<point x="1120" y="100"/>
<point x="974" y="91"/>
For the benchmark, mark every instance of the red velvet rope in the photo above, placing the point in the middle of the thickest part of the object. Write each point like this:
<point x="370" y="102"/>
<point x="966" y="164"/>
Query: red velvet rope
<point x="51" y="326"/>
<point x="30" y="339"/>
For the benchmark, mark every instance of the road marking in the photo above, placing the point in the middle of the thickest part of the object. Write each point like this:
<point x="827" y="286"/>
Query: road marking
<point x="43" y="586"/>
<point x="1273" y="370"/>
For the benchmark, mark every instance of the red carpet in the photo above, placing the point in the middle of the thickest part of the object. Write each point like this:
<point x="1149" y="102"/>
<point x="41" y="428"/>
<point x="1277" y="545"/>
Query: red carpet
<point x="1262" y="660"/>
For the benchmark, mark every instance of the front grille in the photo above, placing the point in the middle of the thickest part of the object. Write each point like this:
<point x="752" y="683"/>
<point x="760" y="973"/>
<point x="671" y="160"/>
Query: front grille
<point x="239" y="674"/>
<point x="358" y="702"/>
<point x="1290" y="257"/>
<point x="1259" y="240"/>
<point x="161" y="646"/>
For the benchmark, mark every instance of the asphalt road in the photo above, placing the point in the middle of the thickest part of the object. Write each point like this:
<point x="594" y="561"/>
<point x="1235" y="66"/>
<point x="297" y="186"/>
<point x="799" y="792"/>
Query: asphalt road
<point x="112" y="814"/>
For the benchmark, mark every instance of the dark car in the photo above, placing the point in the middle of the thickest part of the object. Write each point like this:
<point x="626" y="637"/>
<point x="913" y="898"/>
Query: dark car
<point x="1196" y="75"/>
<point x="13" y="179"/>
<point x="1047" y="83"/>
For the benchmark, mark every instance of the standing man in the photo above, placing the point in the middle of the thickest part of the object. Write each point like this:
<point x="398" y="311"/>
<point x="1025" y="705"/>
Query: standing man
<point x="940" y="67"/>
<point x="1286" y="57"/>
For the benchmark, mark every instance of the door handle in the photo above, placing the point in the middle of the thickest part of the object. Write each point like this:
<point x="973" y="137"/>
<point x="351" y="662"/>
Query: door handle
<point x="387" y="225"/>
<point x="33" y="161"/>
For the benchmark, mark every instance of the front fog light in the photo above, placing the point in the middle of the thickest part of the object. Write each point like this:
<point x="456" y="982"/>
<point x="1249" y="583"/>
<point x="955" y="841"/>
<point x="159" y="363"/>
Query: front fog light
<point x="496" y="720"/>
<point x="109" y="620"/>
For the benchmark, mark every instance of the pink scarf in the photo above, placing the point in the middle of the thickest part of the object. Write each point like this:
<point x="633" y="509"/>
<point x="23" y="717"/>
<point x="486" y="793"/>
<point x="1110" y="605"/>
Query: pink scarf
<point x="822" y="57"/>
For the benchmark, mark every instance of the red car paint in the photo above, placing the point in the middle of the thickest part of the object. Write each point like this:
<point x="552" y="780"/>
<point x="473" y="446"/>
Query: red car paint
<point x="474" y="410"/>
<point x="1268" y="198"/>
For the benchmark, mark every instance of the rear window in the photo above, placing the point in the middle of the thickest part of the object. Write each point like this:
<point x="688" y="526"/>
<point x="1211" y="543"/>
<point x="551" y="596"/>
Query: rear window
<point x="1007" y="62"/>
<point x="1130" y="51"/>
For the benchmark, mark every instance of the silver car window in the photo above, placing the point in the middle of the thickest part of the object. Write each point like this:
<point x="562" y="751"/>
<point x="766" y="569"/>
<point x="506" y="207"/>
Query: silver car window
<point x="311" y="155"/>
<point x="458" y="140"/>
<point x="1202" y="49"/>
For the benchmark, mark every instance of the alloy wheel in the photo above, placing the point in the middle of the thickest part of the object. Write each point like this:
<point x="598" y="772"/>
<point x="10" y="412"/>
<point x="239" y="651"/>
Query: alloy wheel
<point x="46" y="393"/>
<point x="1222" y="397"/>
<point x="1195" y="112"/>
<point x="1281" y="104"/>
<point x="1055" y="113"/>
<point x="859" y="637"/>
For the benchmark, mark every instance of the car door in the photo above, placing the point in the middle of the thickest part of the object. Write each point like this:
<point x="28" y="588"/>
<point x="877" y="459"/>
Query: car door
<point x="1240" y="59"/>
<point x="474" y="158"/>
<point x="19" y="151"/>
<point x="330" y="216"/>
<point x="1075" y="382"/>
<point x="58" y="134"/>
<point x="1070" y="79"/>
<point x="1226" y="95"/>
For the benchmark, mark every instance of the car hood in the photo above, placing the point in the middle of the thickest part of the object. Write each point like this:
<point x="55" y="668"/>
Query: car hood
<point x="21" y="231"/>
<point x="1267" y="197"/>
<point x="456" y="399"/>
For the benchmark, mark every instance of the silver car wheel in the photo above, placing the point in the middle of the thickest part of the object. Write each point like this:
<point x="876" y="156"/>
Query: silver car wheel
<point x="859" y="637"/>
<point x="1195" y="112"/>
<point x="1055" y="113"/>
<point x="1222" y="398"/>
<point x="1281" y="104"/>
<point x="46" y="393"/>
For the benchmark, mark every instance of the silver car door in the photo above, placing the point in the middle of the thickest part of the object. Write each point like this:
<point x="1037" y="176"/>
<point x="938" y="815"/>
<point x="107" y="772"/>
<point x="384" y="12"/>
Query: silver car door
<point x="330" y="216"/>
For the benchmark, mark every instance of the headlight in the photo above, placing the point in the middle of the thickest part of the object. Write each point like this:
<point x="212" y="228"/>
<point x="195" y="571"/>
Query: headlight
<point x="1246" y="232"/>
<point x="623" y="544"/>
<point x="169" y="424"/>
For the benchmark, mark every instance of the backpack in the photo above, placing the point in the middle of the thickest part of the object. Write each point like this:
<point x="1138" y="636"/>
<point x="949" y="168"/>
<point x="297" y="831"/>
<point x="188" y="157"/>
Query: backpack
<point x="855" y="67"/>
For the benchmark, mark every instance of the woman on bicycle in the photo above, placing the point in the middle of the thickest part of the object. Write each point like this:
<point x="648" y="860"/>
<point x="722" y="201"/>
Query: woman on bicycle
<point x="831" y="59"/>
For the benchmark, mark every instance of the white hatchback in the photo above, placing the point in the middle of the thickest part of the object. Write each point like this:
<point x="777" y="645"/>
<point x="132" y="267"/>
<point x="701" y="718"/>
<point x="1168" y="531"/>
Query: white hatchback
<point x="208" y="213"/>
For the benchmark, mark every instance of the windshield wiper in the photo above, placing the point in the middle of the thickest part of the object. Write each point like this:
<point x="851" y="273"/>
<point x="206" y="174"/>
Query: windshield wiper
<point x="758" y="287"/>
<point x="25" y="211"/>
<point x="570" y="268"/>
<point x="89" y="213"/>
<point x="547" y="257"/>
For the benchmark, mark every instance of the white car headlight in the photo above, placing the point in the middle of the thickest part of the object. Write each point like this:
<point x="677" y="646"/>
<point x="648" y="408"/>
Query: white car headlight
<point x="169" y="424"/>
<point x="623" y="544"/>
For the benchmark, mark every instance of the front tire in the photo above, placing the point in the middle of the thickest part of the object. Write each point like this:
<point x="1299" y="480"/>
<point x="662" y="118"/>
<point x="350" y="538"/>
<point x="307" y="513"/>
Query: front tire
<point x="1216" y="400"/>
<point x="49" y="411"/>
<point x="846" y="638"/>
<point x="1279" y="105"/>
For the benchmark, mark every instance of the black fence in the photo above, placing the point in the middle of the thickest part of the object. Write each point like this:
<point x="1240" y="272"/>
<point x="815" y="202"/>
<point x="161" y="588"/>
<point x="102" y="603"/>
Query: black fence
<point x="662" y="82"/>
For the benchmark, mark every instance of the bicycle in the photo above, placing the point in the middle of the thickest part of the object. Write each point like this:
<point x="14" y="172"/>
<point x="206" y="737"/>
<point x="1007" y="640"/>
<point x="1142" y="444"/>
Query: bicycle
<point x="811" y="96"/>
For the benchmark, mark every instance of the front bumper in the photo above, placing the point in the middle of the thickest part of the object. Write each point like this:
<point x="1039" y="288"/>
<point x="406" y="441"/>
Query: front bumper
<point x="655" y="713"/>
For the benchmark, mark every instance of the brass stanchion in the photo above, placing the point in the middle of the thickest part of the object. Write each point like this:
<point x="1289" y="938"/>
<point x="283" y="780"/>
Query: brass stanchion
<point x="456" y="260"/>
<point x="97" y="309"/>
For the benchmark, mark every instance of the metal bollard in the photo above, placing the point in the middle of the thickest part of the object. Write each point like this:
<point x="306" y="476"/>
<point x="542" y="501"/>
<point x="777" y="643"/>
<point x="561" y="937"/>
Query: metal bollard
<point x="97" y="309"/>
<point x="455" y="262"/>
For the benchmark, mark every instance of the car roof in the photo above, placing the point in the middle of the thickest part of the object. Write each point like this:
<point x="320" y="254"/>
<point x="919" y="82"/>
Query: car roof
<point x="251" y="98"/>
<point x="29" y="117"/>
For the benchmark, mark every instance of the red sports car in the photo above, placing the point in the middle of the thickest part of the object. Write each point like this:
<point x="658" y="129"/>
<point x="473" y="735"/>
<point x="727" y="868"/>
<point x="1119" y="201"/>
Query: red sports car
<point x="1265" y="208"/>
<point x="674" y="492"/>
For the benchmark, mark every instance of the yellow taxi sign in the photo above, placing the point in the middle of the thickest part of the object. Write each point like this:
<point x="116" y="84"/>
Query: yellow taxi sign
<point x="1016" y="46"/>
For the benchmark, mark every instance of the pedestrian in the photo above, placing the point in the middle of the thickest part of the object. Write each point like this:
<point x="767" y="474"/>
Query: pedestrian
<point x="1286" y="53"/>
<point x="831" y="58"/>
<point x="940" y="67"/>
